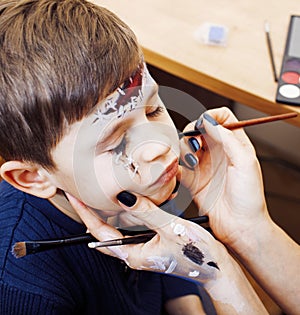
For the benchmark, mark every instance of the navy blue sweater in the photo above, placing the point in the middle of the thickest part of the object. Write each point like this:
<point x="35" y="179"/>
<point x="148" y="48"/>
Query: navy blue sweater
<point x="70" y="280"/>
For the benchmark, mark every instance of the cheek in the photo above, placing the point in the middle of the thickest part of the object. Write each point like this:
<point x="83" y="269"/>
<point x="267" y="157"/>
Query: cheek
<point x="104" y="181"/>
<point x="95" y="184"/>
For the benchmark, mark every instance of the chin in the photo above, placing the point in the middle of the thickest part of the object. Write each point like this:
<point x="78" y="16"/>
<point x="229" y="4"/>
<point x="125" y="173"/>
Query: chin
<point x="106" y="214"/>
<point x="164" y="194"/>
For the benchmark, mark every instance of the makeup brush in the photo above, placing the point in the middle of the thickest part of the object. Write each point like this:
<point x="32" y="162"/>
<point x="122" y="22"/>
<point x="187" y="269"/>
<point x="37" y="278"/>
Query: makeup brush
<point x="241" y="124"/>
<point x="21" y="249"/>
<point x="143" y="238"/>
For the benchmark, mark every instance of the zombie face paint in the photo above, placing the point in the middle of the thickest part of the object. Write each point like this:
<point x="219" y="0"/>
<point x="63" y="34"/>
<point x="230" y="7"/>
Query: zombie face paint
<point x="128" y="162"/>
<point x="128" y="142"/>
<point x="125" y="99"/>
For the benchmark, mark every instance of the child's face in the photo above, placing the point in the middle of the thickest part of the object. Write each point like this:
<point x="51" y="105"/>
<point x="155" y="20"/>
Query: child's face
<point x="128" y="142"/>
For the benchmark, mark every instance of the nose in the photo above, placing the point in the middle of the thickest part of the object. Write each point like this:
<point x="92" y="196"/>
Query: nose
<point x="152" y="150"/>
<point x="152" y="141"/>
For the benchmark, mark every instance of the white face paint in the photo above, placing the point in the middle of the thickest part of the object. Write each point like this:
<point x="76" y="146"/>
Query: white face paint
<point x="127" y="143"/>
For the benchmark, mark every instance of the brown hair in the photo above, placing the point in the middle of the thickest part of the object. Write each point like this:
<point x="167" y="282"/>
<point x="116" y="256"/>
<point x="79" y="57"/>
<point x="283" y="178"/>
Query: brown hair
<point x="57" y="59"/>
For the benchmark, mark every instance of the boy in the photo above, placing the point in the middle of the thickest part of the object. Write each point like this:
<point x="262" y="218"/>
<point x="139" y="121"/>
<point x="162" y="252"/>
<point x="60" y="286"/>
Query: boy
<point x="74" y="97"/>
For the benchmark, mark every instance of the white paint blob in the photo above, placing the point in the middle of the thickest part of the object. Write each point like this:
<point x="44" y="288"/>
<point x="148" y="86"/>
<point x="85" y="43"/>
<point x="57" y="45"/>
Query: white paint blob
<point x="119" y="252"/>
<point x="194" y="273"/>
<point x="179" y="229"/>
<point x="172" y="266"/>
<point x="158" y="262"/>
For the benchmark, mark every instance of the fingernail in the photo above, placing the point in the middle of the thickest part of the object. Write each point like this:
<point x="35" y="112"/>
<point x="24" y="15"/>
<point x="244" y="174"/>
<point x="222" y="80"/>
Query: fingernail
<point x="65" y="195"/>
<point x="126" y="198"/>
<point x="194" y="144"/>
<point x="191" y="160"/>
<point x="210" y="119"/>
<point x="176" y="187"/>
<point x="199" y="123"/>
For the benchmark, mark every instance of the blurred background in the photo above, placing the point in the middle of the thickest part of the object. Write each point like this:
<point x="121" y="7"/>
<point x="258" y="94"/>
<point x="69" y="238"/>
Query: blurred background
<point x="277" y="146"/>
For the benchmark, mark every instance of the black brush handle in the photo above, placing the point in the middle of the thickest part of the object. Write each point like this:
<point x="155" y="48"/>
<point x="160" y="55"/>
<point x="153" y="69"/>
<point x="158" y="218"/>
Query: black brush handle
<point x="198" y="220"/>
<point x="138" y="236"/>
<point x="126" y="240"/>
<point x="138" y="239"/>
<point x="88" y="237"/>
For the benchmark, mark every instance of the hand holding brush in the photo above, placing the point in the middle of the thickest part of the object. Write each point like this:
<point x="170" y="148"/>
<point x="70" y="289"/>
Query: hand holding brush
<point x="21" y="249"/>
<point x="241" y="124"/>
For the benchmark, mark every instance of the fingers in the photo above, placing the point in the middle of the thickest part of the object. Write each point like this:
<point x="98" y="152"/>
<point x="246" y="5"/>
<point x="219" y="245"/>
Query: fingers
<point x="236" y="144"/>
<point x="221" y="115"/>
<point x="165" y="224"/>
<point x="224" y="115"/>
<point x="96" y="226"/>
<point x="189" y="148"/>
<point x="127" y="220"/>
<point x="91" y="220"/>
<point x="179" y="247"/>
<point x="145" y="211"/>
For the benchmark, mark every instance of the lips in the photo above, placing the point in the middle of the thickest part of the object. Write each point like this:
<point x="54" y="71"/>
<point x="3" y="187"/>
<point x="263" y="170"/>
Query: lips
<point x="169" y="173"/>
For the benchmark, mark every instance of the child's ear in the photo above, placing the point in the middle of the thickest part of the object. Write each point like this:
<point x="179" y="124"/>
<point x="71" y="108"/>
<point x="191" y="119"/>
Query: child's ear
<point x="28" y="178"/>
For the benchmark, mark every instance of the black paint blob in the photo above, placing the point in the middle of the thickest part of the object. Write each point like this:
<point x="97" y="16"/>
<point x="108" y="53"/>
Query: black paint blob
<point x="213" y="264"/>
<point x="193" y="253"/>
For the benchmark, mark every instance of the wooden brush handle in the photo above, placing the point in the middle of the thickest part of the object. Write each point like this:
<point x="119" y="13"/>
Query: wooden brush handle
<point x="257" y="121"/>
<point x="241" y="124"/>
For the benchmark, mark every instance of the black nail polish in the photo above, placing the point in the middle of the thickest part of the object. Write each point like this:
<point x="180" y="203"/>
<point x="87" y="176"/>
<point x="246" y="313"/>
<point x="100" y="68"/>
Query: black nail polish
<point x="176" y="187"/>
<point x="194" y="144"/>
<point x="191" y="160"/>
<point x="199" y="123"/>
<point x="210" y="119"/>
<point x="65" y="195"/>
<point x="126" y="198"/>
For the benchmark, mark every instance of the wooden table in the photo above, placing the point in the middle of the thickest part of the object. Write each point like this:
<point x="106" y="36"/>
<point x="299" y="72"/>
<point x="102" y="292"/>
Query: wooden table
<point x="240" y="71"/>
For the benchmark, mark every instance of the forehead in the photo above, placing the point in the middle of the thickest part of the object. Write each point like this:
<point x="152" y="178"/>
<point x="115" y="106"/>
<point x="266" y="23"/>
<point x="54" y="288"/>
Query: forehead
<point x="125" y="99"/>
<point x="132" y="94"/>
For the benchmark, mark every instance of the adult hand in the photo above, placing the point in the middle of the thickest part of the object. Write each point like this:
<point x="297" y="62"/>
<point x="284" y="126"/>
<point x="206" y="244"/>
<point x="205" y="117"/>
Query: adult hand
<point x="179" y="247"/>
<point x="226" y="183"/>
<point x="237" y="209"/>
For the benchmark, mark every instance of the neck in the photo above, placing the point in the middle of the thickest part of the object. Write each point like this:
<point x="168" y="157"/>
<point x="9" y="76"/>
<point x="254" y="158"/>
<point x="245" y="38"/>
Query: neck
<point x="60" y="201"/>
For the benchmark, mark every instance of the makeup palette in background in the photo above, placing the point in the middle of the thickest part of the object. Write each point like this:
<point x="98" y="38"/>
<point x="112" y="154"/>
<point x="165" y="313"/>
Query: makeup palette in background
<point x="288" y="90"/>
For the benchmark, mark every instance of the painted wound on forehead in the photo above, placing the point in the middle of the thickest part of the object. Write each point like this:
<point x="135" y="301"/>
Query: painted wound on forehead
<point x="125" y="99"/>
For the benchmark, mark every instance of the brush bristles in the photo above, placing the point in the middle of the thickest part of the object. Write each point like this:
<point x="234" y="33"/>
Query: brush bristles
<point x="19" y="250"/>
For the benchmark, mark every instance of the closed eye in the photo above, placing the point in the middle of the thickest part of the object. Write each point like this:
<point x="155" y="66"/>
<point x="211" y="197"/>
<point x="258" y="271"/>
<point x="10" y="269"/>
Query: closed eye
<point x="157" y="112"/>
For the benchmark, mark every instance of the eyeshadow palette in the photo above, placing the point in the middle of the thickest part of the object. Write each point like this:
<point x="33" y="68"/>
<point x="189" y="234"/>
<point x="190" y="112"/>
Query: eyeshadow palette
<point x="288" y="90"/>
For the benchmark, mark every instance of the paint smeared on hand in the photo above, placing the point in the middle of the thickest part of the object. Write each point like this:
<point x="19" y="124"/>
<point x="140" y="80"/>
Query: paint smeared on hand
<point x="213" y="264"/>
<point x="193" y="253"/>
